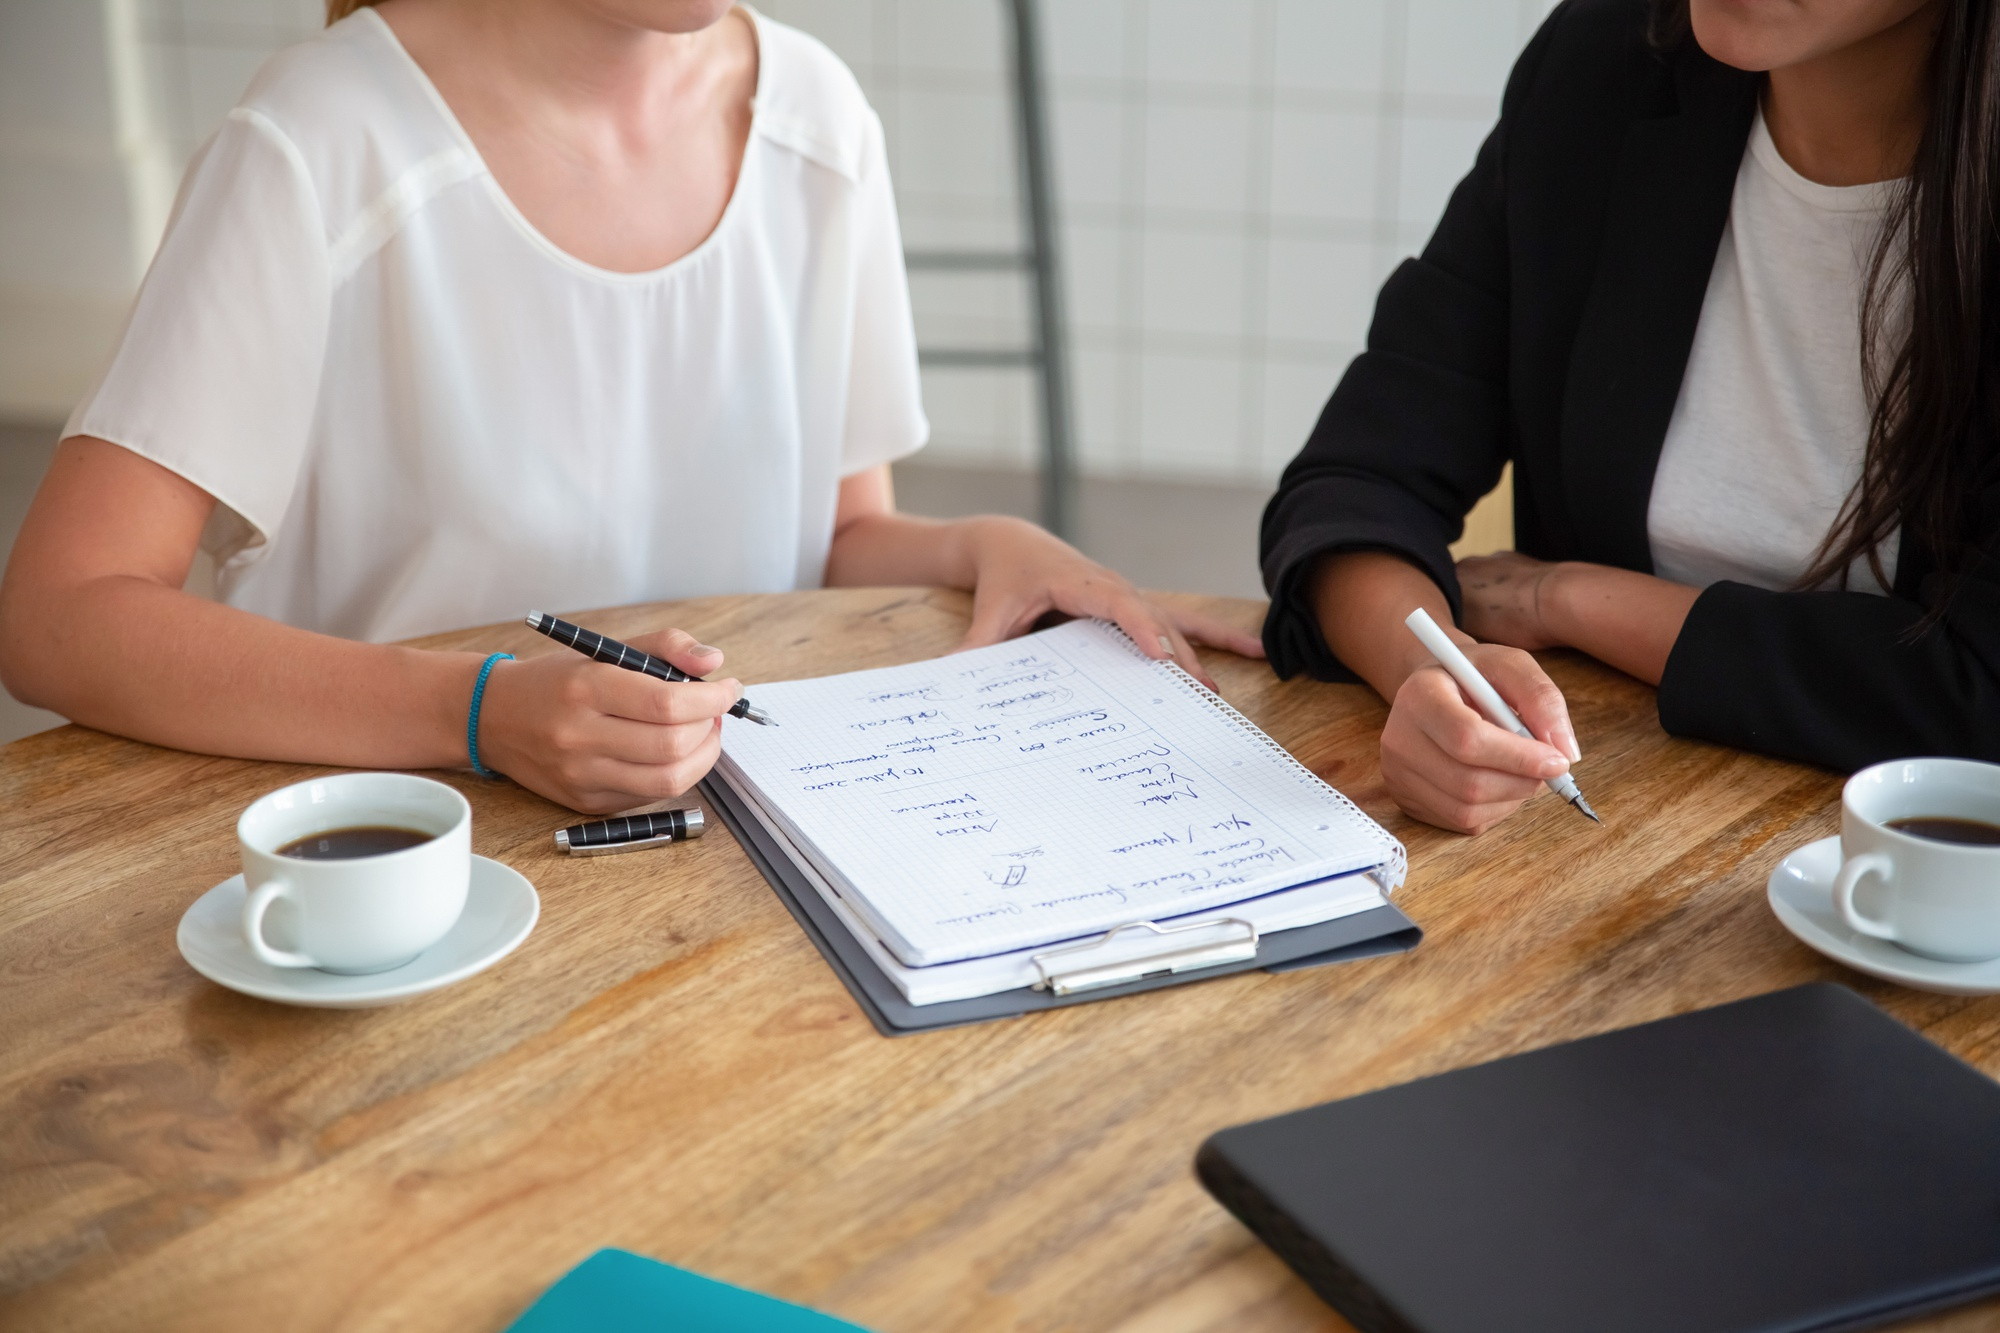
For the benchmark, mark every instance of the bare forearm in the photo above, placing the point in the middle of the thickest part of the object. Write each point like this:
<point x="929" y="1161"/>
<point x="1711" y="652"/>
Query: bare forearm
<point x="1016" y="573"/>
<point x="1625" y="619"/>
<point x="1361" y="599"/>
<point x="887" y="549"/>
<point x="131" y="656"/>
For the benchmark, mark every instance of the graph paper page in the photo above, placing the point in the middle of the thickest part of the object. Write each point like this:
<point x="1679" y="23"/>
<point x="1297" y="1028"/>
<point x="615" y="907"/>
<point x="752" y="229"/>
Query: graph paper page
<point x="1307" y="904"/>
<point x="1037" y="790"/>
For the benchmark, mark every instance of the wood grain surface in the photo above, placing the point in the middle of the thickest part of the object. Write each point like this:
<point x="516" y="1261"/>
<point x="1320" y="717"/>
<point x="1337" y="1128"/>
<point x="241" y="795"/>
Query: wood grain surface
<point x="668" y="1066"/>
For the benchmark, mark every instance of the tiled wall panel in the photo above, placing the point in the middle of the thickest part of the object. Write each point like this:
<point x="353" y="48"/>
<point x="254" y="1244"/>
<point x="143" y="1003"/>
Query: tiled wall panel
<point x="1235" y="181"/>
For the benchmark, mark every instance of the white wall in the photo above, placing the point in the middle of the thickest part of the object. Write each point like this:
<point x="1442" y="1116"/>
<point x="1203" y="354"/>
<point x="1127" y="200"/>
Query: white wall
<point x="1234" y="181"/>
<point x="101" y="102"/>
<point x="65" y="259"/>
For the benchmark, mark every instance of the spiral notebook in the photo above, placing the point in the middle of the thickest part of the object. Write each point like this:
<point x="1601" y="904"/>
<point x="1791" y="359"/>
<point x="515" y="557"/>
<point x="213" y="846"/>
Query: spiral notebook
<point x="1040" y="793"/>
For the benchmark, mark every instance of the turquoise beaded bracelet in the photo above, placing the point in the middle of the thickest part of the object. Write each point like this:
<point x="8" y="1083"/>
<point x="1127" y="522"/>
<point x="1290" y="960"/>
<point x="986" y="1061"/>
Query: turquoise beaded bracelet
<point x="472" y="719"/>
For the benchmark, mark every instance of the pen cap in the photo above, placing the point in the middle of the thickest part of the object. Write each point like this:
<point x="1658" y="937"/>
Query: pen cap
<point x="631" y="832"/>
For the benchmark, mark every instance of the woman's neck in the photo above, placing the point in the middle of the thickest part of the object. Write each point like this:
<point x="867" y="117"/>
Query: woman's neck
<point x="1854" y="116"/>
<point x="620" y="142"/>
<point x="565" y="57"/>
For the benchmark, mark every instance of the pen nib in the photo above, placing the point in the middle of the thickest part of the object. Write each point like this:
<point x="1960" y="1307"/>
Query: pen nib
<point x="752" y="713"/>
<point x="1584" y="806"/>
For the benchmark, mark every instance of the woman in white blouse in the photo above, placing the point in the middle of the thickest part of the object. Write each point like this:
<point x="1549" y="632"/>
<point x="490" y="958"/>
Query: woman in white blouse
<point x="473" y="306"/>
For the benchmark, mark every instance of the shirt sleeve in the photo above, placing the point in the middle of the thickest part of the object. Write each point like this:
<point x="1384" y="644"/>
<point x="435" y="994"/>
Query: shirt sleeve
<point x="885" y="405"/>
<point x="217" y="374"/>
<point x="1848" y="679"/>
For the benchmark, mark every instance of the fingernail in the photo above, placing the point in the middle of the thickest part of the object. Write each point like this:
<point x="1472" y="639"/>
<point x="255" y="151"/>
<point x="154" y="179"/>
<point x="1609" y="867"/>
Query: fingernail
<point x="1569" y="745"/>
<point x="1554" y="767"/>
<point x="707" y="651"/>
<point x="1166" y="645"/>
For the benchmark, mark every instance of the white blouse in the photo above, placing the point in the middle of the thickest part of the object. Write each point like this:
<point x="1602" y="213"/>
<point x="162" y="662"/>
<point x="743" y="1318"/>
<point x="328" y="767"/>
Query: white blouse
<point x="417" y="413"/>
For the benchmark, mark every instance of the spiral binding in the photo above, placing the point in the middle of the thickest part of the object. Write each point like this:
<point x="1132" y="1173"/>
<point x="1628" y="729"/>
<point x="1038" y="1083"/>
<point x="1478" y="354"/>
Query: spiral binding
<point x="1395" y="867"/>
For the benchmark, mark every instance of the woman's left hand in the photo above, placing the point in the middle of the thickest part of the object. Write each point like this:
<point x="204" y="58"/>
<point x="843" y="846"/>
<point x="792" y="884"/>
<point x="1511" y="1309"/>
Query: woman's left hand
<point x="1023" y="573"/>
<point x="1504" y="599"/>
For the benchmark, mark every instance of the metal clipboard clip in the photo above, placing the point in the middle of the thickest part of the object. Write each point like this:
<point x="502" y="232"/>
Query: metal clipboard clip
<point x="1239" y="946"/>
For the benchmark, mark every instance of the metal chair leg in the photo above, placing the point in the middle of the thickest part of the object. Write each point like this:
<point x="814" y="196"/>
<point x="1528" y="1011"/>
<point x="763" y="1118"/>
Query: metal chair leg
<point x="1048" y="349"/>
<point x="1052" y="331"/>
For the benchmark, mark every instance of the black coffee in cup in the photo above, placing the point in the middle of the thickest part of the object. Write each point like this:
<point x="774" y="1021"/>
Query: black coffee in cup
<point x="345" y="844"/>
<point x="1972" y="832"/>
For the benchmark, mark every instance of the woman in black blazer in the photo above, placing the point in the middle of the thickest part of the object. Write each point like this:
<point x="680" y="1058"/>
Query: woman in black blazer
<point x="1550" y="322"/>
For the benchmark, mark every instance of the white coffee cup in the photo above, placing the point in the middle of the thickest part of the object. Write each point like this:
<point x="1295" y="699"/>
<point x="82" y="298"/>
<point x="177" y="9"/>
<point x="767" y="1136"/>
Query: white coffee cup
<point x="1934" y="898"/>
<point x="361" y="914"/>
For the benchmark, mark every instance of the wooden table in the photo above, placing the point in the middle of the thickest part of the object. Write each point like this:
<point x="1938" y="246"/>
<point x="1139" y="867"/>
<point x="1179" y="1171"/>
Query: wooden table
<point x="668" y="1066"/>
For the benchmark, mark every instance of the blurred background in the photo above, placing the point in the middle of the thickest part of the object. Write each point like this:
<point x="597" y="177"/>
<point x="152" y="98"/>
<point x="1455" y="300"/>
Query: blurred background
<point x="1232" y="179"/>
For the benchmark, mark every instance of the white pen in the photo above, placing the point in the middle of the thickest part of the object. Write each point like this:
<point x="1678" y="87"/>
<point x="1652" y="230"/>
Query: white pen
<point x="1485" y="697"/>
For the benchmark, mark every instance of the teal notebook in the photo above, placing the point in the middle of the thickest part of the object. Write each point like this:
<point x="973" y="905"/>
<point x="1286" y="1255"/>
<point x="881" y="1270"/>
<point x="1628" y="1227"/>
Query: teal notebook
<point x="615" y="1291"/>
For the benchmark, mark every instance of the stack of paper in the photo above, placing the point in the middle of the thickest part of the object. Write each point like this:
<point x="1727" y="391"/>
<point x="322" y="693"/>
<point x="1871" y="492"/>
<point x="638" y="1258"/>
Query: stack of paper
<point x="967" y="813"/>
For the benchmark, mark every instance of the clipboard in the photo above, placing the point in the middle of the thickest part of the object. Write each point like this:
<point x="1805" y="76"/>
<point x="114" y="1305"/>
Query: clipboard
<point x="1071" y="978"/>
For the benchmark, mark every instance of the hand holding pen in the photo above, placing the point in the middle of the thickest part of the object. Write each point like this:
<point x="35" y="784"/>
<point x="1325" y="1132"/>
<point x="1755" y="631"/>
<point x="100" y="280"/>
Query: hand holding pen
<point x="598" y="648"/>
<point x="1487" y="699"/>
<point x="597" y="739"/>
<point x="1464" y="756"/>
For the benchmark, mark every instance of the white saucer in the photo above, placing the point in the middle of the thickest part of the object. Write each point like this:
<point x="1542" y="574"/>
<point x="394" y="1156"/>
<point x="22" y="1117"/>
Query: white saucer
<point x="1801" y="894"/>
<point x="501" y="907"/>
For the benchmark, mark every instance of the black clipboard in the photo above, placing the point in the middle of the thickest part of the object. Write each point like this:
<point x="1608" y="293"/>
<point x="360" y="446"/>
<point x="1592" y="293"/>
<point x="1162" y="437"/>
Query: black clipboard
<point x="1380" y="930"/>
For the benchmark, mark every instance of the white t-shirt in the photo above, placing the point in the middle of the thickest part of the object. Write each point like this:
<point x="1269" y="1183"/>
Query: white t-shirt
<point x="1767" y="437"/>
<point x="418" y="413"/>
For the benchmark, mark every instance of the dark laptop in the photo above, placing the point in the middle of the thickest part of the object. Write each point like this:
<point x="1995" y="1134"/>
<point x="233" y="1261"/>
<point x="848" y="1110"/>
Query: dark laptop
<point x="1798" y="1161"/>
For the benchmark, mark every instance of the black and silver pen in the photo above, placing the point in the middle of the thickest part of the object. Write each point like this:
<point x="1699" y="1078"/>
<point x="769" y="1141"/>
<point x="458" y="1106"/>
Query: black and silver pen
<point x="629" y="833"/>
<point x="598" y="648"/>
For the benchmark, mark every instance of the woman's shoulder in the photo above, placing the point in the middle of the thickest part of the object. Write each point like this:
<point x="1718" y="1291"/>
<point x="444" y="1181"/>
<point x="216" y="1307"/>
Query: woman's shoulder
<point x="1601" y="26"/>
<point x="1609" y="58"/>
<point x="809" y="101"/>
<point x="1597" y="72"/>
<point x="353" y="112"/>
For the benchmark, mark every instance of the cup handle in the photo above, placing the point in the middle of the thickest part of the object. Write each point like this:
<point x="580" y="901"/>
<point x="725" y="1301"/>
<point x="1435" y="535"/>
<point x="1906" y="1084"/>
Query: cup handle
<point x="254" y="907"/>
<point x="1851" y="874"/>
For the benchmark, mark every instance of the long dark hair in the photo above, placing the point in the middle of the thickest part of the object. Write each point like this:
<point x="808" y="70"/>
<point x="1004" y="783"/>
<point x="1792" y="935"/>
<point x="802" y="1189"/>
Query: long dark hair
<point x="1930" y="314"/>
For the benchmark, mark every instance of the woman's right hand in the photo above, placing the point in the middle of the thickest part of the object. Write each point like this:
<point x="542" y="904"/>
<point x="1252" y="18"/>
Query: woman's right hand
<point x="599" y="738"/>
<point x="1445" y="764"/>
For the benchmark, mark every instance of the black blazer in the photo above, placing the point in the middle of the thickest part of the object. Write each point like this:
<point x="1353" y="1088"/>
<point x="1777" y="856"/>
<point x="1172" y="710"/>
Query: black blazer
<point x="1549" y="322"/>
